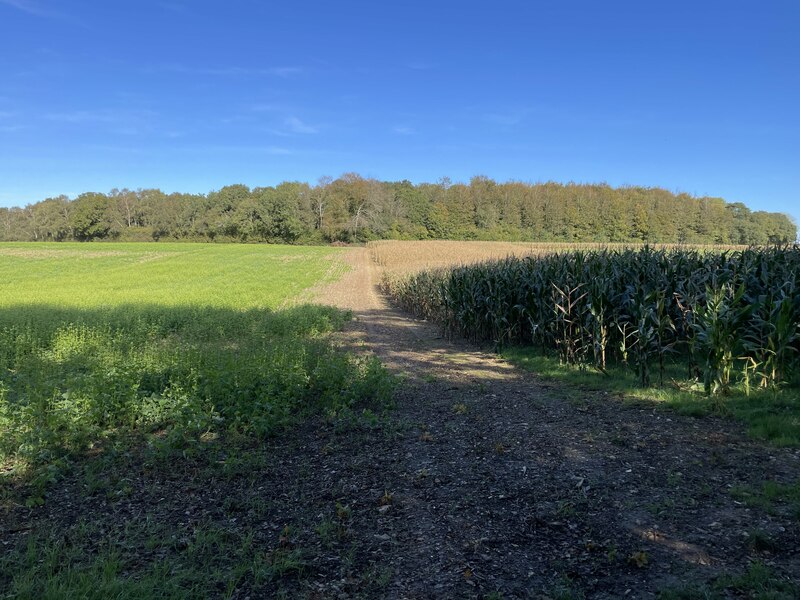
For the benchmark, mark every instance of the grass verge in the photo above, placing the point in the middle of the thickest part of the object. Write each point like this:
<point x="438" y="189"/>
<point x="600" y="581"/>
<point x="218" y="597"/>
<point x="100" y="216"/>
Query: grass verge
<point x="771" y="415"/>
<point x="759" y="581"/>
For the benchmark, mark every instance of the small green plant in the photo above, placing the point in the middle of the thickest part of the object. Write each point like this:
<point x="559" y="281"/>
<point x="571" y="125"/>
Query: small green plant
<point x="329" y="531"/>
<point x="343" y="512"/>
<point x="770" y="496"/>
<point x="759" y="581"/>
<point x="565" y="589"/>
<point x="760" y="541"/>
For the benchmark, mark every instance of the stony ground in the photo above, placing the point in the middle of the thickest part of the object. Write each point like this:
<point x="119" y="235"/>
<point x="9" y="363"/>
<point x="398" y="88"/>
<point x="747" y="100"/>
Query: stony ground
<point x="482" y="482"/>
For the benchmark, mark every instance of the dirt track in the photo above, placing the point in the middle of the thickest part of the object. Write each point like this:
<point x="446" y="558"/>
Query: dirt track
<point x="502" y="483"/>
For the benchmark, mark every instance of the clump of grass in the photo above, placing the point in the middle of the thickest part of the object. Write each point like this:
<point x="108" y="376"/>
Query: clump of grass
<point x="758" y="581"/>
<point x="82" y="562"/>
<point x="771" y="495"/>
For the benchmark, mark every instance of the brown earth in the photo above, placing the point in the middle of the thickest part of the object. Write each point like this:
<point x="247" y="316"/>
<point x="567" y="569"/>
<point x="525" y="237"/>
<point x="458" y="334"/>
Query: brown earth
<point x="483" y="481"/>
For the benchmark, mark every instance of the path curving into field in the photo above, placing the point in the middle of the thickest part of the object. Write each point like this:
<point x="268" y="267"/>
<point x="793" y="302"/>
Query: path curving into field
<point x="499" y="482"/>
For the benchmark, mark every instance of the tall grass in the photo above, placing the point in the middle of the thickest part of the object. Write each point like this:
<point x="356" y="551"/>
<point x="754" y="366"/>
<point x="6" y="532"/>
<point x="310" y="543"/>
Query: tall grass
<point x="733" y="314"/>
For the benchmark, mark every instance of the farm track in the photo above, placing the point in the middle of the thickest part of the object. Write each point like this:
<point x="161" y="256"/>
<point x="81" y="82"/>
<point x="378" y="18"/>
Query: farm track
<point x="501" y="482"/>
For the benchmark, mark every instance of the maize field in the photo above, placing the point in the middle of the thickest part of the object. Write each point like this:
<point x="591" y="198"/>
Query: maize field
<point x="731" y="315"/>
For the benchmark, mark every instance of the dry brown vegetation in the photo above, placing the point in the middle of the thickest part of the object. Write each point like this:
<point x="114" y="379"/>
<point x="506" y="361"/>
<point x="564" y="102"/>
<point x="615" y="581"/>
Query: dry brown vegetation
<point x="409" y="256"/>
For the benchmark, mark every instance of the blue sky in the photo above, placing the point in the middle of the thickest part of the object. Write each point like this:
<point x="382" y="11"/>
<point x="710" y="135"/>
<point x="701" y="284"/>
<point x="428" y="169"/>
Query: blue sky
<point x="701" y="96"/>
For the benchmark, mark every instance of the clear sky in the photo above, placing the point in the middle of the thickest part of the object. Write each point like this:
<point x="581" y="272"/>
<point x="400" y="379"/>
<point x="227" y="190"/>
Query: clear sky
<point x="700" y="96"/>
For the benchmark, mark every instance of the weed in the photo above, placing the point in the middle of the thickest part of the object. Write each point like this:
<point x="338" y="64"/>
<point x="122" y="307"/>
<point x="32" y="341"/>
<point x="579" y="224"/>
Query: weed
<point x="172" y="354"/>
<point x="758" y="581"/>
<point x="770" y="496"/>
<point x="761" y="582"/>
<point x="565" y="508"/>
<point x="343" y="512"/>
<point x="760" y="541"/>
<point x="329" y="532"/>
<point x="565" y="589"/>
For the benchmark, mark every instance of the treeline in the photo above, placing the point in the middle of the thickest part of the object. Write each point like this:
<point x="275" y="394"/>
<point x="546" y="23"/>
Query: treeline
<point x="354" y="209"/>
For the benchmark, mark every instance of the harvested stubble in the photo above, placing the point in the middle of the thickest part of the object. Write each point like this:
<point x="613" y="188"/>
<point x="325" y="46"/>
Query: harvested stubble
<point x="411" y="256"/>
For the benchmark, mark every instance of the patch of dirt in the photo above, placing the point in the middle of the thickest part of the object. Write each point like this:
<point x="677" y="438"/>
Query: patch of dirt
<point x="484" y="479"/>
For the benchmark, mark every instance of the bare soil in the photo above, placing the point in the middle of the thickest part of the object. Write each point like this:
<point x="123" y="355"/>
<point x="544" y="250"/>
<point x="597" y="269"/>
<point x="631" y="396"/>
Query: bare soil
<point x="483" y="480"/>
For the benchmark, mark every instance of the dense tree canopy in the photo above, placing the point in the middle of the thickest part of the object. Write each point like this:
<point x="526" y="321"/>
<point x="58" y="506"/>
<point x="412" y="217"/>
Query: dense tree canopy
<point x="352" y="208"/>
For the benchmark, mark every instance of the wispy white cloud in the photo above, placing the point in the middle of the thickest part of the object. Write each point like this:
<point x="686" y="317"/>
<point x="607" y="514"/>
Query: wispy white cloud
<point x="99" y="115"/>
<point x="8" y="122"/>
<point x="38" y="9"/>
<point x="401" y="130"/>
<point x="32" y="8"/>
<point x="114" y="121"/>
<point x="259" y="107"/>
<point x="225" y="71"/>
<point x="130" y="130"/>
<point x="280" y="120"/>
<point x="233" y="119"/>
<point x="295" y="125"/>
<point x="211" y="148"/>
<point x="196" y="149"/>
<point x="82" y="116"/>
<point x="506" y="119"/>
<point x="278" y="132"/>
<point x="421" y="66"/>
<point x="284" y="71"/>
<point x="176" y="7"/>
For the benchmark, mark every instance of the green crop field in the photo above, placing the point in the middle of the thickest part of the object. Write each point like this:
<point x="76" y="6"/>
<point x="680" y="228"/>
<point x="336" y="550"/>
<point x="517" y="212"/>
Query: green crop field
<point x="108" y="344"/>
<point x="109" y="275"/>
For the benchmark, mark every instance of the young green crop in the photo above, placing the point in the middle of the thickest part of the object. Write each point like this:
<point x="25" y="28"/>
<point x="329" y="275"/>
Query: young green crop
<point x="221" y="275"/>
